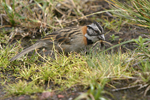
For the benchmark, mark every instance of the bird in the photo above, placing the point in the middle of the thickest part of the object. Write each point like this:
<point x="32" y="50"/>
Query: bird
<point x="69" y="39"/>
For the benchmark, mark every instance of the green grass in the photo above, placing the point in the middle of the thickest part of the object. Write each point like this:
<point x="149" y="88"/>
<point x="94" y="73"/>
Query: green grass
<point x="66" y="72"/>
<point x="135" y="11"/>
<point x="28" y="75"/>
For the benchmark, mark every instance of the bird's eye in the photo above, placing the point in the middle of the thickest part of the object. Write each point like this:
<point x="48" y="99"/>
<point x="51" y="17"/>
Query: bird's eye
<point x="96" y="31"/>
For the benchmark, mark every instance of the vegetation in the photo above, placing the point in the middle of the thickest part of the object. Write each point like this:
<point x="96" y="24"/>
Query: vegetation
<point x="96" y="70"/>
<point x="134" y="11"/>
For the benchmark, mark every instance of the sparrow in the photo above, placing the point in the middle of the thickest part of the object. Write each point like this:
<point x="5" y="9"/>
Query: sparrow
<point x="70" y="39"/>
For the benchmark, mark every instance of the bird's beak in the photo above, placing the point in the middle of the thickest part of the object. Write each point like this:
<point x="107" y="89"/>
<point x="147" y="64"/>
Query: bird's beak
<point x="102" y="37"/>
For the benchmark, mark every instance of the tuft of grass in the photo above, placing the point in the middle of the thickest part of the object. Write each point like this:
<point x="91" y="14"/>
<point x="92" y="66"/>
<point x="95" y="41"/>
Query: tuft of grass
<point x="95" y="93"/>
<point x="4" y="58"/>
<point x="113" y="37"/>
<point x="143" y="47"/>
<point x="114" y="24"/>
<point x="109" y="65"/>
<point x="68" y="71"/>
<point x="26" y="14"/>
<point x="23" y="87"/>
<point x="136" y="11"/>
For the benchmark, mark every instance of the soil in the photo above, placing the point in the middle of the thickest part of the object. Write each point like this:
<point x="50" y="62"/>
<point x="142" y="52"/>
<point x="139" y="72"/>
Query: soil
<point x="127" y="32"/>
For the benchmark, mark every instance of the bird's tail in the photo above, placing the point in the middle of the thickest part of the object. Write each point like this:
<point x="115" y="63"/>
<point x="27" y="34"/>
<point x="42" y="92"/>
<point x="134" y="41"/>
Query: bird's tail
<point x="34" y="46"/>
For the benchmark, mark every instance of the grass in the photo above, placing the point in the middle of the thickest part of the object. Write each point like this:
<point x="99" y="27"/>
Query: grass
<point x="96" y="70"/>
<point x="135" y="11"/>
<point x="66" y="72"/>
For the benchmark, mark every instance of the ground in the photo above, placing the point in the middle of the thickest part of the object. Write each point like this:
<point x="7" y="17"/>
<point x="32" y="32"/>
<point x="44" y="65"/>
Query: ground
<point x="123" y="91"/>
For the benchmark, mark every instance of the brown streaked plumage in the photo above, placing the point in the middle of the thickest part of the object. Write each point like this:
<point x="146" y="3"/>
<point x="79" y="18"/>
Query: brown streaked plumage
<point x="71" y="39"/>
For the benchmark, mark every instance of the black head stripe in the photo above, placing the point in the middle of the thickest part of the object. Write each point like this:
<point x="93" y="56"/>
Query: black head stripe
<point x="94" y="29"/>
<point x="99" y="26"/>
<point x="91" y="31"/>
